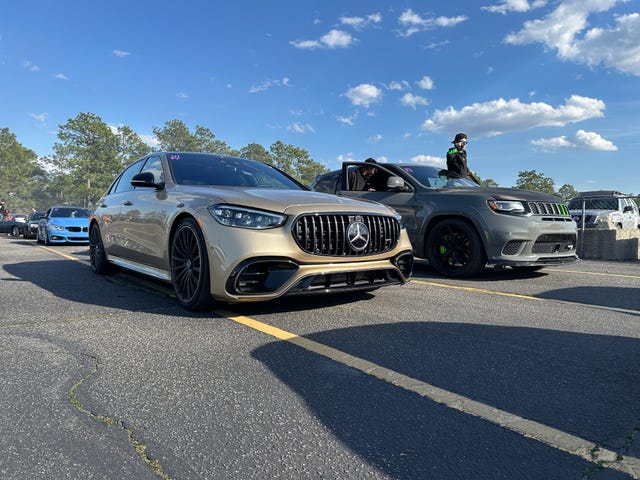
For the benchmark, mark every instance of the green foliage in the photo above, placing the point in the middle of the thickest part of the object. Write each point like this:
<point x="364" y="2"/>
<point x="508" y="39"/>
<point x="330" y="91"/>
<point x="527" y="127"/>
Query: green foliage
<point x="175" y="136"/>
<point x="532" y="180"/>
<point x="296" y="162"/>
<point x="21" y="173"/>
<point x="567" y="191"/>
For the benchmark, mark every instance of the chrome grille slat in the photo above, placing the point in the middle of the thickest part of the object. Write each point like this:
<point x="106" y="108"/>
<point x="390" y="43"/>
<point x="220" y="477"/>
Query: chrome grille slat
<point x="325" y="234"/>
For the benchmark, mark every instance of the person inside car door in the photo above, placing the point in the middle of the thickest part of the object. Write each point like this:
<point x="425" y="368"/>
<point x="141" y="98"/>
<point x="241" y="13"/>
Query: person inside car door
<point x="363" y="178"/>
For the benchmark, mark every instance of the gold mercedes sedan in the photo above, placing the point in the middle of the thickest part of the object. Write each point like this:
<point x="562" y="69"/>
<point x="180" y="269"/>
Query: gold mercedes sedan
<point x="222" y="228"/>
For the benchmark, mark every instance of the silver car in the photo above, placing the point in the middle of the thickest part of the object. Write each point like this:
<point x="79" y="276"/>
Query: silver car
<point x="461" y="227"/>
<point x="232" y="229"/>
<point x="605" y="209"/>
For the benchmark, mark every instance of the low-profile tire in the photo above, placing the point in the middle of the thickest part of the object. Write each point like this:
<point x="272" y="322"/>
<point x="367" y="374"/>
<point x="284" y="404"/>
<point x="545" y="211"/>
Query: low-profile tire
<point x="190" y="267"/>
<point x="455" y="249"/>
<point x="97" y="255"/>
<point x="15" y="231"/>
<point x="38" y="239"/>
<point x="46" y="237"/>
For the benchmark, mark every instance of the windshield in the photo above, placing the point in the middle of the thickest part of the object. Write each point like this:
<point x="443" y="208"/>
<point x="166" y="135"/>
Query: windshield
<point x="435" y="177"/>
<point x="202" y="169"/>
<point x="594" y="204"/>
<point x="69" y="212"/>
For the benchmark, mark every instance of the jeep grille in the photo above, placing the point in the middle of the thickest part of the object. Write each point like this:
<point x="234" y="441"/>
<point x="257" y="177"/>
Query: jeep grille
<point x="325" y="234"/>
<point x="548" y="208"/>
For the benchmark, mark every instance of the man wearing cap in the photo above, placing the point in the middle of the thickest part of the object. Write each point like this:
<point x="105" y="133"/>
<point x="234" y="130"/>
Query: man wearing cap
<point x="457" y="158"/>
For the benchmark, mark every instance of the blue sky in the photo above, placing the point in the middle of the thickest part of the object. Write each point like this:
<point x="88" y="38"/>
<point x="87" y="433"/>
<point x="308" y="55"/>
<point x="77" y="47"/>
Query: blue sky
<point x="551" y="86"/>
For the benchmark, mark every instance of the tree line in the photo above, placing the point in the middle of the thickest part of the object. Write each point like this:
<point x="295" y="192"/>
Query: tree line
<point x="89" y="154"/>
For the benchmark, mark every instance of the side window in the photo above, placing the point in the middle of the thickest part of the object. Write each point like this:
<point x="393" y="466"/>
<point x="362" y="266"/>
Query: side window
<point x="123" y="184"/>
<point x="154" y="165"/>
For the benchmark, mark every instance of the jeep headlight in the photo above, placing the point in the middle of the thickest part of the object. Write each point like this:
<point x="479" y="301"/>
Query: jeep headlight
<point x="234" y="216"/>
<point x="506" y="206"/>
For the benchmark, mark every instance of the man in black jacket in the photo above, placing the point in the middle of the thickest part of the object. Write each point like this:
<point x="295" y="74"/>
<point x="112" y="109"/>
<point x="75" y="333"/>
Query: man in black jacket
<point x="457" y="158"/>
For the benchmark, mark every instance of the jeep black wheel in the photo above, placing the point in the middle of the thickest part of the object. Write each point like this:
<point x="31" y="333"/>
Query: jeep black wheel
<point x="455" y="249"/>
<point x="190" y="267"/>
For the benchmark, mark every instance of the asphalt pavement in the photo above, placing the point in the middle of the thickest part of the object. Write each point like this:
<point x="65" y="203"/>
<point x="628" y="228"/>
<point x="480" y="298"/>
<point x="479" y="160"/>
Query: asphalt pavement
<point x="508" y="375"/>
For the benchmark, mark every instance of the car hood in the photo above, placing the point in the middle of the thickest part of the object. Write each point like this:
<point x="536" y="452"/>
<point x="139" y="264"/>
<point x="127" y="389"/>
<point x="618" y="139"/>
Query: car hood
<point x="289" y="201"/>
<point x="500" y="193"/>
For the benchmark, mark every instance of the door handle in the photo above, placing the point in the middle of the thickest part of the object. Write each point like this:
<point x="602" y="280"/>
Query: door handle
<point x="127" y="203"/>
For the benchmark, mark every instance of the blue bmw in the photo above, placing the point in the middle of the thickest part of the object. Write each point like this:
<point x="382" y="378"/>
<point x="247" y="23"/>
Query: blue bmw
<point x="64" y="224"/>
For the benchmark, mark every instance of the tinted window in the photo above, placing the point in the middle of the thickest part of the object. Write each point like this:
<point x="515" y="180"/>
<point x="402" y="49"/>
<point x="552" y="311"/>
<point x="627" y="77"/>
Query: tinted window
<point x="327" y="183"/>
<point x="69" y="212"/>
<point x="202" y="169"/>
<point x="430" y="177"/>
<point x="123" y="184"/>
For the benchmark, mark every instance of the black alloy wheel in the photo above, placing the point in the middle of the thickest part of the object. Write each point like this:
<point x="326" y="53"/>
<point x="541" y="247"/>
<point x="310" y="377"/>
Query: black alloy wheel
<point x="97" y="256"/>
<point x="190" y="266"/>
<point x="455" y="249"/>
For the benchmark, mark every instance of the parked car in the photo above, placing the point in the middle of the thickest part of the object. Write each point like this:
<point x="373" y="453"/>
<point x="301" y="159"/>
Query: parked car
<point x="64" y="224"/>
<point x="237" y="230"/>
<point x="459" y="226"/>
<point x="31" y="227"/>
<point x="604" y="209"/>
<point x="14" y="226"/>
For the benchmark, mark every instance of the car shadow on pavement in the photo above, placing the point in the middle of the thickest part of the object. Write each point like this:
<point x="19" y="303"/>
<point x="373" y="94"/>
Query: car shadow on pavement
<point x="583" y="384"/>
<point x="130" y="291"/>
<point x="626" y="298"/>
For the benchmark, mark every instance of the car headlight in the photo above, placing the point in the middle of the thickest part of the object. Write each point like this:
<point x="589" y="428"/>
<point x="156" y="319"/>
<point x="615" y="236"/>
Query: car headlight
<point x="55" y="227"/>
<point x="234" y="216"/>
<point x="505" y="206"/>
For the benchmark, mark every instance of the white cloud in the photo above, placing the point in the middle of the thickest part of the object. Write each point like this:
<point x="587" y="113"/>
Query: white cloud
<point x="121" y="53"/>
<point x="333" y="39"/>
<point x="346" y="157"/>
<point x="350" y="120"/>
<point x="425" y="83"/>
<point x="565" y="30"/>
<point x="411" y="100"/>
<point x="413" y="23"/>
<point x="41" y="117"/>
<point x="583" y="140"/>
<point x="514" y="6"/>
<point x="428" y="160"/>
<point x="364" y="95"/>
<point x="500" y="116"/>
<point x="361" y="22"/>
<point x="301" y="128"/>
<point x="30" y="66"/>
<point x="375" y="138"/>
<point x="182" y="95"/>
<point x="267" y="84"/>
<point x="395" y="85"/>
<point x="61" y="76"/>
<point x="150" y="140"/>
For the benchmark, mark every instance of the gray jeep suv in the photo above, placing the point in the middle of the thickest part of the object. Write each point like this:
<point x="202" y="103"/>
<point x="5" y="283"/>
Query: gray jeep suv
<point x="459" y="226"/>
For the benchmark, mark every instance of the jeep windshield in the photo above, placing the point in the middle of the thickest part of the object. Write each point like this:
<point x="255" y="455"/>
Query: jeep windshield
<point x="436" y="177"/>
<point x="594" y="204"/>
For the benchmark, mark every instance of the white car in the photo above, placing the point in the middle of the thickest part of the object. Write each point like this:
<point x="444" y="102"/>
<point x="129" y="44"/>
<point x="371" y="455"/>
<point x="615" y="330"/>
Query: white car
<point x="605" y="209"/>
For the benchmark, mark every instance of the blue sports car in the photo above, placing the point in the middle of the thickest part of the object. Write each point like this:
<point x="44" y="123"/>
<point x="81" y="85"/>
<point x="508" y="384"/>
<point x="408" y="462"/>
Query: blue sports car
<point x="64" y="224"/>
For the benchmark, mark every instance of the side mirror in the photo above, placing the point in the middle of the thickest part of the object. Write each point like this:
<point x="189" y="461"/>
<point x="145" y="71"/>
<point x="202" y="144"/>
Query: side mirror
<point x="627" y="208"/>
<point x="396" y="183"/>
<point x="145" y="179"/>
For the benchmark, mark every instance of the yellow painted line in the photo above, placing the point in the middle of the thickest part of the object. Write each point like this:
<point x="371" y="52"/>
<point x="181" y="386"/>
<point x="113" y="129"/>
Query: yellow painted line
<point x="473" y="289"/>
<point x="597" y="273"/>
<point x="62" y="254"/>
<point x="550" y="436"/>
